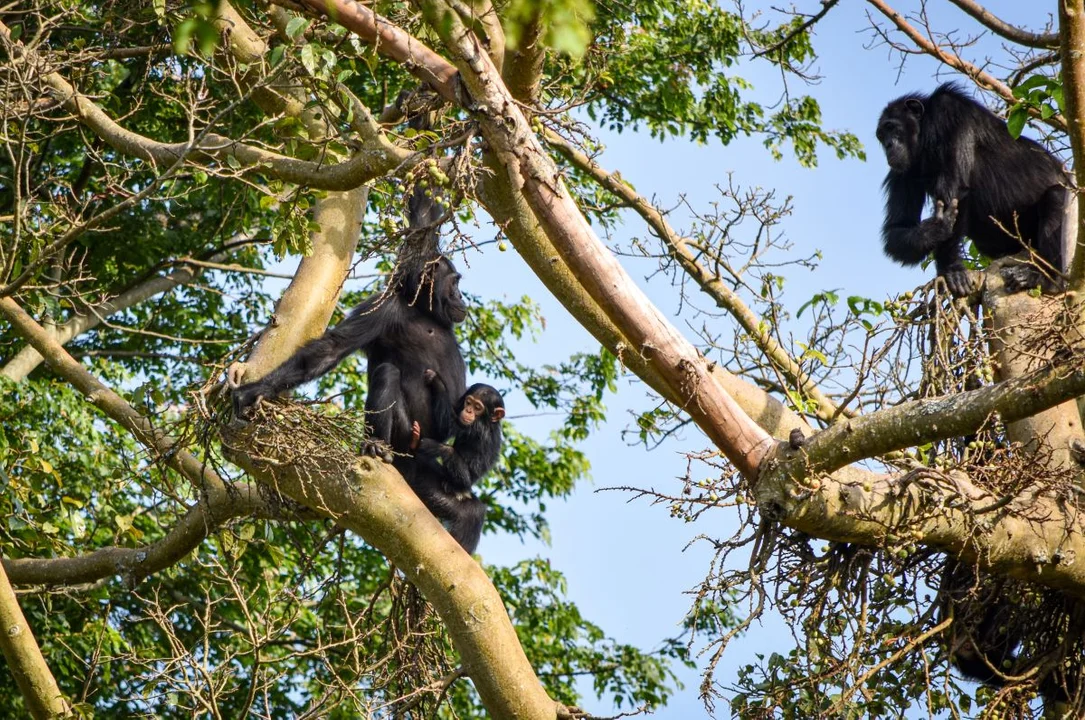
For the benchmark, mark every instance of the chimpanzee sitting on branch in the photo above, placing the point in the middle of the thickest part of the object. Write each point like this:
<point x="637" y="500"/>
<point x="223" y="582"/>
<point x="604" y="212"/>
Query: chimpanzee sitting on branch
<point x="442" y="475"/>
<point x="1004" y="194"/>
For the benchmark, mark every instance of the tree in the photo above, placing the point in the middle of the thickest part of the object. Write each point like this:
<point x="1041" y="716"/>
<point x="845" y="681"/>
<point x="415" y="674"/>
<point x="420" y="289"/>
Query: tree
<point x="158" y="156"/>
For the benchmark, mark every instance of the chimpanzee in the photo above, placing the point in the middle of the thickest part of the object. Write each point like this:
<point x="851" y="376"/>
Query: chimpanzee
<point x="403" y="331"/>
<point x="443" y="475"/>
<point x="1000" y="192"/>
<point x="1002" y="630"/>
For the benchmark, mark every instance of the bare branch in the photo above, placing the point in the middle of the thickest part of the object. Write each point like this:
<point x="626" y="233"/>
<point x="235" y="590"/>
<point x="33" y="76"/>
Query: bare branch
<point x="981" y="78"/>
<point x="710" y="283"/>
<point x="1011" y="32"/>
<point x="826" y="6"/>
<point x="378" y="157"/>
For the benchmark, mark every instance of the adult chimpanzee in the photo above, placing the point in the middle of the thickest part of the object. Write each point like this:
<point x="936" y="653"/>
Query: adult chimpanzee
<point x="1003" y="631"/>
<point x="443" y="475"/>
<point x="1000" y="192"/>
<point x="403" y="331"/>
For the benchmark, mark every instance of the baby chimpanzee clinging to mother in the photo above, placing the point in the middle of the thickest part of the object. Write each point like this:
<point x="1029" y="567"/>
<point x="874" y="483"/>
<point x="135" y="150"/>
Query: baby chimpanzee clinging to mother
<point x="442" y="475"/>
<point x="1004" y="194"/>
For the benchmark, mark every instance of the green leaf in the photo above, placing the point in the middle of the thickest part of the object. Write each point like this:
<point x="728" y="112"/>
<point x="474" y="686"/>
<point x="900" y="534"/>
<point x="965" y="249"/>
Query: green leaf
<point x="296" y="27"/>
<point x="1016" y="120"/>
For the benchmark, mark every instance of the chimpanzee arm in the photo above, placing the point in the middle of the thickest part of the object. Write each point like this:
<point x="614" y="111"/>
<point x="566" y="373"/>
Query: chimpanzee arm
<point x="441" y="404"/>
<point x="362" y="327"/>
<point x="906" y="239"/>
<point x="456" y="471"/>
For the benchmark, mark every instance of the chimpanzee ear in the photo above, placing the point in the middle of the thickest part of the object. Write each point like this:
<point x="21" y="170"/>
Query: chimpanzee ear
<point x="915" y="106"/>
<point x="497" y="414"/>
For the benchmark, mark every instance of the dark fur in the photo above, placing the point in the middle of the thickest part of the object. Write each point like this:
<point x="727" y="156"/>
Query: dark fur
<point x="985" y="185"/>
<point x="443" y="475"/>
<point x="403" y="332"/>
<point x="987" y="638"/>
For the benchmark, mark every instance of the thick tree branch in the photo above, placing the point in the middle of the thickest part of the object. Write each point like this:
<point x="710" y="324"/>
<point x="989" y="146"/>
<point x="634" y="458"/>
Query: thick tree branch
<point x="134" y="564"/>
<point x="371" y="499"/>
<point x="392" y="42"/>
<point x="685" y="371"/>
<point x="922" y="421"/>
<point x="1011" y="32"/>
<point x="36" y="682"/>
<point x="1072" y="50"/>
<point x="710" y="283"/>
<point x="303" y="311"/>
<point x="1032" y="537"/>
<point x="524" y="67"/>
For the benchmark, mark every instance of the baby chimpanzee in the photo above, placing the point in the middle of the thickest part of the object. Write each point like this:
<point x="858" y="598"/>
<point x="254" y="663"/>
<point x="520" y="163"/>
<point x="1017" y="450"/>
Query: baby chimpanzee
<point x="443" y="475"/>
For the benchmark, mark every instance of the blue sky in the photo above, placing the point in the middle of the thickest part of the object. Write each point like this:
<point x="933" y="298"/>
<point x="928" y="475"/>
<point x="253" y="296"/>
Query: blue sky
<point x="629" y="564"/>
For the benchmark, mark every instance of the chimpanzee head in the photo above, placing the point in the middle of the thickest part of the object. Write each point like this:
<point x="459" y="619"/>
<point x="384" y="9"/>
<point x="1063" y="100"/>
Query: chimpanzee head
<point x="436" y="287"/>
<point x="898" y="132"/>
<point x="481" y="402"/>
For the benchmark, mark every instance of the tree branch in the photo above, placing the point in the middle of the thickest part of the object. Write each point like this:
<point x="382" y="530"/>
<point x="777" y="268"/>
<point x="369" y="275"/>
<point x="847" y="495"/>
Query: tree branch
<point x="371" y="499"/>
<point x="1011" y="32"/>
<point x="88" y="318"/>
<point x="240" y="500"/>
<point x="306" y="305"/>
<point x="981" y="78"/>
<point x="528" y="167"/>
<point x="710" y="283"/>
<point x="391" y="41"/>
<point x="523" y="70"/>
<point x="36" y="682"/>
<point x="378" y="157"/>
<point x="1072" y="50"/>
<point x="210" y="487"/>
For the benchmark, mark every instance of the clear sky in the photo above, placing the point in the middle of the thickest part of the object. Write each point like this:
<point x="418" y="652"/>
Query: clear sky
<point x="629" y="564"/>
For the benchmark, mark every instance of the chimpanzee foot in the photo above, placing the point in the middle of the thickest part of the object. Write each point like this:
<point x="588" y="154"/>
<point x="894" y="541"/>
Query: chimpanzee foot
<point x="961" y="283"/>
<point x="377" y="449"/>
<point x="1020" y="278"/>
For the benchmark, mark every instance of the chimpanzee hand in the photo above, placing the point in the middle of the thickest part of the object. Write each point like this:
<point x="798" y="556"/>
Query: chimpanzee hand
<point x="246" y="398"/>
<point x="961" y="282"/>
<point x="416" y="432"/>
<point x="429" y="375"/>
<point x="939" y="227"/>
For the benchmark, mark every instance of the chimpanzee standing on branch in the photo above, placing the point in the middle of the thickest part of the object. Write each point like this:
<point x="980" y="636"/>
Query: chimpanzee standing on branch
<point x="1004" y="194"/>
<point x="443" y="475"/>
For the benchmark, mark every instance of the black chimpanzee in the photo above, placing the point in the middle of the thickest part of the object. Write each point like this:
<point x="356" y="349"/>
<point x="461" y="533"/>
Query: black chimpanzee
<point x="1002" y="630"/>
<point x="1000" y="192"/>
<point x="443" y="475"/>
<point x="403" y="331"/>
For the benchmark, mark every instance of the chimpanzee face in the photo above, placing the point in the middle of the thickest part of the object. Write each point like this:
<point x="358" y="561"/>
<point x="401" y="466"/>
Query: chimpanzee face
<point x="449" y="291"/>
<point x="480" y="402"/>
<point x="898" y="133"/>
<point x="437" y="288"/>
